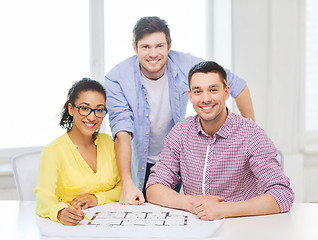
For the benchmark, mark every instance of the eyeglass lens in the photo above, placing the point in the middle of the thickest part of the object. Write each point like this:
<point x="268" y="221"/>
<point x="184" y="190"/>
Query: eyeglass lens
<point x="85" y="111"/>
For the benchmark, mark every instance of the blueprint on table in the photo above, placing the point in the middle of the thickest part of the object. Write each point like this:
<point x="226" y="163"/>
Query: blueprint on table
<point x="133" y="221"/>
<point x="143" y="218"/>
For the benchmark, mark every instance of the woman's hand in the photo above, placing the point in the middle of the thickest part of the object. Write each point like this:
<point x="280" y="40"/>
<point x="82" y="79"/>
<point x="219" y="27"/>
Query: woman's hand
<point x="84" y="201"/>
<point x="70" y="216"/>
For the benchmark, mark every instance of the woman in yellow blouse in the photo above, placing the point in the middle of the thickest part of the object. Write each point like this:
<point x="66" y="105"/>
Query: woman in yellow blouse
<point x="80" y="166"/>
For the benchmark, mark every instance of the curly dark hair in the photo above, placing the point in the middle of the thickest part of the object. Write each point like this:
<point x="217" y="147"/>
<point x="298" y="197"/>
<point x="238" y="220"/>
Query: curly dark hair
<point x="86" y="84"/>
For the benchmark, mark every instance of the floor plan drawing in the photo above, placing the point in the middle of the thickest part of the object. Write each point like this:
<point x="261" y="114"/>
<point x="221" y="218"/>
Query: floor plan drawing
<point x="143" y="218"/>
<point x="145" y="221"/>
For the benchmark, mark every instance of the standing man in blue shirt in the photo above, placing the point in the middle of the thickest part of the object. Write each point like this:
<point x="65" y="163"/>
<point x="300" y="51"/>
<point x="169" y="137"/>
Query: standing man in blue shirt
<point x="147" y="94"/>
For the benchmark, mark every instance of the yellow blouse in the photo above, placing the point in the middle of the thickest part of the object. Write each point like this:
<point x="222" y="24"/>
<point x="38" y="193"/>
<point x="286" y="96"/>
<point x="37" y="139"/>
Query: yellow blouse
<point x="64" y="173"/>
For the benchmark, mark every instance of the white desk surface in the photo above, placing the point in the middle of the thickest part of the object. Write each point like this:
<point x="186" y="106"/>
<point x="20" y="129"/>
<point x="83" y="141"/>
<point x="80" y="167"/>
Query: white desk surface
<point x="18" y="221"/>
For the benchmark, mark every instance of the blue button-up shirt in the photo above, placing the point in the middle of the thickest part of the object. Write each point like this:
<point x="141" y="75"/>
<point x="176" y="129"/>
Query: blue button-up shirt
<point x="128" y="107"/>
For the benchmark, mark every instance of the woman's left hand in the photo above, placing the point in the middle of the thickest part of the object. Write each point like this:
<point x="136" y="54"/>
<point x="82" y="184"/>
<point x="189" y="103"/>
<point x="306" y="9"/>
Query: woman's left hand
<point x="84" y="201"/>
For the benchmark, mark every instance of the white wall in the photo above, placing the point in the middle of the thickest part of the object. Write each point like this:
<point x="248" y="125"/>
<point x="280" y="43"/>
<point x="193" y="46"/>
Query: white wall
<point x="268" y="51"/>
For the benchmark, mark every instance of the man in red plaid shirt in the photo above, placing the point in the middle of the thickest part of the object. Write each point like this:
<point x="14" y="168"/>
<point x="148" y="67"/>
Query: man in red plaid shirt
<point x="227" y="163"/>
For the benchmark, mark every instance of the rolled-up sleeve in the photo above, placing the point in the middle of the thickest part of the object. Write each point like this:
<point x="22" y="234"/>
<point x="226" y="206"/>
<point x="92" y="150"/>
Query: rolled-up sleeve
<point x="109" y="196"/>
<point x="235" y="83"/>
<point x="187" y="61"/>
<point x="120" y="114"/>
<point x="270" y="176"/>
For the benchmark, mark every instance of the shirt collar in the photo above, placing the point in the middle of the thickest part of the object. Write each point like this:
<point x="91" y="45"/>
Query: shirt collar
<point x="171" y="67"/>
<point x="223" y="132"/>
<point x="138" y="71"/>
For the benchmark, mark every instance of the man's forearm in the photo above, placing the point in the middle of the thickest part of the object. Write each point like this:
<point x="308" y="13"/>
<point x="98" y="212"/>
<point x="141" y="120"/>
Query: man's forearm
<point x="167" y="197"/>
<point x="130" y="194"/>
<point x="260" y="205"/>
<point x="244" y="104"/>
<point x="208" y="207"/>
<point x="123" y="155"/>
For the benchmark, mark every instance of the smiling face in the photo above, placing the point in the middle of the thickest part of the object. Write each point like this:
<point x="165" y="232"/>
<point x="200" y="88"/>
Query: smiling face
<point x="152" y="52"/>
<point x="208" y="95"/>
<point x="86" y="126"/>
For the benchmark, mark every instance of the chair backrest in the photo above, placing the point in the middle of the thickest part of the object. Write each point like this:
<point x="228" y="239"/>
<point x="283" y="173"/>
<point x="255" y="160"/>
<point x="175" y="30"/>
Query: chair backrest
<point x="280" y="159"/>
<point x="25" y="168"/>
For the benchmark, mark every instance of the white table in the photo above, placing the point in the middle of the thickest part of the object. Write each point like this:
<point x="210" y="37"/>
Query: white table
<point x="18" y="221"/>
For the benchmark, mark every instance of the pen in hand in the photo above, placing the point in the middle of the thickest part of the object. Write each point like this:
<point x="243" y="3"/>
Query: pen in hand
<point x="61" y="199"/>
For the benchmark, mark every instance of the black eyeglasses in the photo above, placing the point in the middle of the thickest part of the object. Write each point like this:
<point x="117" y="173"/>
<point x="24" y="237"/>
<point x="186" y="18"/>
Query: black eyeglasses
<point x="85" y="111"/>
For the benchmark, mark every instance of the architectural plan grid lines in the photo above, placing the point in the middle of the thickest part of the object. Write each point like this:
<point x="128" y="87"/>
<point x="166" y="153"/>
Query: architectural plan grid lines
<point x="145" y="218"/>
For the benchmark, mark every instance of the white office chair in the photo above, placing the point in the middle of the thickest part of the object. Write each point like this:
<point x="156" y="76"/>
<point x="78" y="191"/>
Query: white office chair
<point x="280" y="159"/>
<point x="25" y="169"/>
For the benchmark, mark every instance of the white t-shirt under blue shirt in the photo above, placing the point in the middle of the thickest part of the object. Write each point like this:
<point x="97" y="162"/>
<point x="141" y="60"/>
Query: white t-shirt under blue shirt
<point x="160" y="115"/>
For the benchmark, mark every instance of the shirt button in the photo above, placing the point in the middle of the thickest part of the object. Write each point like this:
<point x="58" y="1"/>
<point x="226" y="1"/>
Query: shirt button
<point x="140" y="183"/>
<point x="146" y="133"/>
<point x="147" y="114"/>
<point x="142" y="168"/>
<point x="145" y="150"/>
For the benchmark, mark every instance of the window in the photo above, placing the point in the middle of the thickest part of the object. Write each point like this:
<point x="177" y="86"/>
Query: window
<point x="311" y="96"/>
<point x="312" y="62"/>
<point x="44" y="49"/>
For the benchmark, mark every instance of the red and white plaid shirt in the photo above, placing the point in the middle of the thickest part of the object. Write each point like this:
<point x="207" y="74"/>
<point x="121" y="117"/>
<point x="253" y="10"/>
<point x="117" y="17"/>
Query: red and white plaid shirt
<point x="238" y="163"/>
